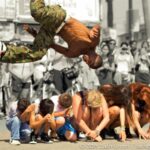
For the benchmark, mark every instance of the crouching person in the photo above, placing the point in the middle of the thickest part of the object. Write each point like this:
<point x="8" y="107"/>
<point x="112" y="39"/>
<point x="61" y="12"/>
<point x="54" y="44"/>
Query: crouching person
<point x="62" y="113"/>
<point x="20" y="131"/>
<point x="119" y="104"/>
<point x="90" y="113"/>
<point x="41" y="120"/>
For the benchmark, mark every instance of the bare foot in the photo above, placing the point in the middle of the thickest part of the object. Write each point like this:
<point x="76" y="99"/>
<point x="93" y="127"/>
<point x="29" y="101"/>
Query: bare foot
<point x="95" y="32"/>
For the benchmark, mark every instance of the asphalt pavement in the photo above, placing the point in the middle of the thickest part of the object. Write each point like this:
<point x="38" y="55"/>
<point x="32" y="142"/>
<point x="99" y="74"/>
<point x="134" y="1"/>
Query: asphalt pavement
<point x="108" y="144"/>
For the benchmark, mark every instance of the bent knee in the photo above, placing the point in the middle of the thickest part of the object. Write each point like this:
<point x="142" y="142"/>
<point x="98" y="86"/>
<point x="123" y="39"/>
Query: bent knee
<point x="114" y="110"/>
<point x="70" y="136"/>
<point x="60" y="121"/>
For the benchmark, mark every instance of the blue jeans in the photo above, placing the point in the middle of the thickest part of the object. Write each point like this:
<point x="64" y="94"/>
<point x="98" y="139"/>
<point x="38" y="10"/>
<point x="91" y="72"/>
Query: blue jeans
<point x="19" y="131"/>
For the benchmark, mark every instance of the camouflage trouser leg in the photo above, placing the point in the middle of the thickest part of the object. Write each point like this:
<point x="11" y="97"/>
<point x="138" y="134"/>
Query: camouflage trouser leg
<point x="50" y="18"/>
<point x="43" y="39"/>
<point x="52" y="15"/>
<point x="22" y="54"/>
<point x="37" y="8"/>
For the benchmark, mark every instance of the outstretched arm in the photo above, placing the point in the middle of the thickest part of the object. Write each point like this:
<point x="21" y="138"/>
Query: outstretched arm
<point x="142" y="133"/>
<point x="105" y="120"/>
<point x="78" y="112"/>
<point x="30" y="30"/>
<point x="61" y="49"/>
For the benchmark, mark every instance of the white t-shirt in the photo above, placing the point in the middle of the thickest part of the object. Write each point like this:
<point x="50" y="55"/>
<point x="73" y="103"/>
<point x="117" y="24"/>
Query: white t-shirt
<point x="57" y="107"/>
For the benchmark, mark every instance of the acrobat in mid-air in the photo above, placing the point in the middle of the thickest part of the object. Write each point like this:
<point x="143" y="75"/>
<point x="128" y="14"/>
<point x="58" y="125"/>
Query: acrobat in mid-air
<point x="54" y="20"/>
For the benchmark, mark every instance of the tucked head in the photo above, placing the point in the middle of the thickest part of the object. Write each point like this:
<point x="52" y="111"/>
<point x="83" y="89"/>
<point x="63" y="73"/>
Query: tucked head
<point x="93" y="60"/>
<point x="22" y="105"/>
<point x="65" y="100"/>
<point x="46" y="107"/>
<point x="94" y="98"/>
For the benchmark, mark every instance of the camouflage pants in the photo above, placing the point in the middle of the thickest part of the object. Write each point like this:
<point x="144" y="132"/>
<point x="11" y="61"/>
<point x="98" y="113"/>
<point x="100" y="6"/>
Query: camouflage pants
<point x="21" y="54"/>
<point x="50" y="18"/>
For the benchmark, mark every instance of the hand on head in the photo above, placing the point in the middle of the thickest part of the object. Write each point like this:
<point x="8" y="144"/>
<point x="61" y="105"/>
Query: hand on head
<point x="30" y="108"/>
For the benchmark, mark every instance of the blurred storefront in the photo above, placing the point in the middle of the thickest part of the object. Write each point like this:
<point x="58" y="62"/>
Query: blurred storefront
<point x="15" y="13"/>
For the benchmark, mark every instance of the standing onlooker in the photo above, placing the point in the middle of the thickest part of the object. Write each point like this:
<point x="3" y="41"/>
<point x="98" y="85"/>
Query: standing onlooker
<point x="143" y="70"/>
<point x="105" y="73"/>
<point x="112" y="46"/>
<point x="124" y="65"/>
<point x="134" y="50"/>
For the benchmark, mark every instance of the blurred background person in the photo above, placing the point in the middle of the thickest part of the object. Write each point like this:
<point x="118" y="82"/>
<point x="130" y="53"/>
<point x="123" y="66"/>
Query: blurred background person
<point x="124" y="65"/>
<point x="105" y="73"/>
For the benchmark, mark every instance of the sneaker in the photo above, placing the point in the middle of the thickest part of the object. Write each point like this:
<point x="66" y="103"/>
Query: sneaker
<point x="82" y="136"/>
<point x="46" y="138"/>
<point x="54" y="136"/>
<point x="15" y="142"/>
<point x="33" y="138"/>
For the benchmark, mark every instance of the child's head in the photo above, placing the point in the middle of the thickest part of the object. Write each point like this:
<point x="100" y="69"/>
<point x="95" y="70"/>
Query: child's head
<point x="65" y="100"/>
<point x="46" y="107"/>
<point x="22" y="105"/>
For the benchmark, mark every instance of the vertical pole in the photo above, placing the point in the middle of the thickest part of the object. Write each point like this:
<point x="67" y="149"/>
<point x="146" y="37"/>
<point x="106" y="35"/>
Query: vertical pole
<point x="110" y="13"/>
<point x="146" y="11"/>
<point x="131" y="34"/>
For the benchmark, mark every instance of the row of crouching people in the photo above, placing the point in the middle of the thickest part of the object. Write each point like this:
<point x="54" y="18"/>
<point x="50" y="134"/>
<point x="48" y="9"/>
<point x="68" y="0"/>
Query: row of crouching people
<point x="87" y="115"/>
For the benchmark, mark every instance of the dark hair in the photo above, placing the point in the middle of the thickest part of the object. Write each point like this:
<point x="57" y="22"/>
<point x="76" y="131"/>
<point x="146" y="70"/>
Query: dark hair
<point x="131" y="42"/>
<point x="104" y="46"/>
<point x="22" y="105"/>
<point x="124" y="43"/>
<point x="119" y="95"/>
<point x="46" y="107"/>
<point x="65" y="100"/>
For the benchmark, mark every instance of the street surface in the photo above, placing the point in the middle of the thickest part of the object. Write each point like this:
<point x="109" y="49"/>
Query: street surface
<point x="109" y="144"/>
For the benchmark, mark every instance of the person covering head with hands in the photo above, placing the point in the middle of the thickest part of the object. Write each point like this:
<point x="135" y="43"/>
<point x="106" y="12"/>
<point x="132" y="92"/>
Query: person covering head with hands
<point x="90" y="113"/>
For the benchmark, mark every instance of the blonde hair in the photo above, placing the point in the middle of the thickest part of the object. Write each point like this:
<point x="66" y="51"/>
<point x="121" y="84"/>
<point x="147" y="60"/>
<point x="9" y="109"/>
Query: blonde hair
<point x="94" y="98"/>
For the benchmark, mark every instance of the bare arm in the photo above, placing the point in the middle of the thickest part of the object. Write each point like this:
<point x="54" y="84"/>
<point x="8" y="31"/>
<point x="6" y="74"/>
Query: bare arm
<point x="78" y="112"/>
<point x="137" y="124"/>
<point x="122" y="117"/>
<point x="51" y="121"/>
<point x="105" y="120"/>
<point x="35" y="123"/>
<point x="62" y="50"/>
<point x="71" y="51"/>
<point x="25" y="116"/>
<point x="30" y="30"/>
<point x="122" y="133"/>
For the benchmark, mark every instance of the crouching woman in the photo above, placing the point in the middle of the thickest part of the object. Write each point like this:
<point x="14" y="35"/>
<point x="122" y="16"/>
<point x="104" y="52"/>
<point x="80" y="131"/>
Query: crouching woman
<point x="91" y="113"/>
